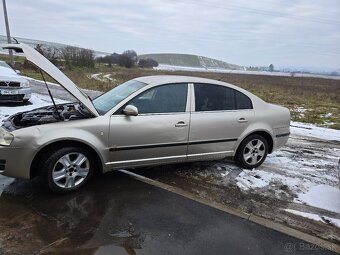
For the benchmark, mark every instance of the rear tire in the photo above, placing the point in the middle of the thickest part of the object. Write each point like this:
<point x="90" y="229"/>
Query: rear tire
<point x="67" y="169"/>
<point x="252" y="152"/>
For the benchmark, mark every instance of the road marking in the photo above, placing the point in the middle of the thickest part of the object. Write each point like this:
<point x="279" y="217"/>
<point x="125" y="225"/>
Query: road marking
<point x="253" y="218"/>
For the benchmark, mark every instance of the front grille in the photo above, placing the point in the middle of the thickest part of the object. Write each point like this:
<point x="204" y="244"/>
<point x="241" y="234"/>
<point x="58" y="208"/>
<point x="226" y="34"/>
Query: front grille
<point x="11" y="97"/>
<point x="2" y="164"/>
<point x="9" y="84"/>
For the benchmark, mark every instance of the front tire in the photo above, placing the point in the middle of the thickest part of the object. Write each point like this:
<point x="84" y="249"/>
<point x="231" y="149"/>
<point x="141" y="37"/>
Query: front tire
<point x="67" y="169"/>
<point x="252" y="152"/>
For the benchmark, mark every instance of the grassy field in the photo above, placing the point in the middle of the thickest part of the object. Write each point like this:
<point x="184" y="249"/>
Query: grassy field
<point x="311" y="100"/>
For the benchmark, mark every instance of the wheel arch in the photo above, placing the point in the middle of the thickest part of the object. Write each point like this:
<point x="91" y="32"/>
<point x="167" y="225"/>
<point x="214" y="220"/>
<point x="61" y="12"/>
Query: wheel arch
<point x="264" y="134"/>
<point x="34" y="169"/>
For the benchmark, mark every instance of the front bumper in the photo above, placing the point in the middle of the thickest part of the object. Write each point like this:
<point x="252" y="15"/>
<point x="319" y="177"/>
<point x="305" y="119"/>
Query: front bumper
<point x="15" y="162"/>
<point x="14" y="94"/>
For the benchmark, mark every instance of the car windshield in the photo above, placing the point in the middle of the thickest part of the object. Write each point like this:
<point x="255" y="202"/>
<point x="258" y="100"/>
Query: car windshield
<point x="110" y="99"/>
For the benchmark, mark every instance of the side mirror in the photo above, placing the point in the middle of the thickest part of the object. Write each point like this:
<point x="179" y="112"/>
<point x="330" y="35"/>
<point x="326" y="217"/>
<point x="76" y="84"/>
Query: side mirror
<point x="130" y="110"/>
<point x="17" y="71"/>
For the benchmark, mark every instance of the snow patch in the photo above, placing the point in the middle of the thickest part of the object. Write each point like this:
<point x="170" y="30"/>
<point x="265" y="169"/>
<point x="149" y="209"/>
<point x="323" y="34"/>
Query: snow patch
<point x="221" y="70"/>
<point x="101" y="77"/>
<point x="300" y="109"/>
<point x="327" y="115"/>
<point x="316" y="217"/>
<point x="322" y="196"/>
<point x="255" y="179"/>
<point x="303" y="129"/>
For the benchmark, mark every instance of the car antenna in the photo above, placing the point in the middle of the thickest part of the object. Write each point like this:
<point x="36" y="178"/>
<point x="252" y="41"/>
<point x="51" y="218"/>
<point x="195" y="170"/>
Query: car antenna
<point x="49" y="92"/>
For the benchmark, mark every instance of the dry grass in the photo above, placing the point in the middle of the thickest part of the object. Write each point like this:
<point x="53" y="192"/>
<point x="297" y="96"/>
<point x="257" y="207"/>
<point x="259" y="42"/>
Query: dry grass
<point x="318" y="96"/>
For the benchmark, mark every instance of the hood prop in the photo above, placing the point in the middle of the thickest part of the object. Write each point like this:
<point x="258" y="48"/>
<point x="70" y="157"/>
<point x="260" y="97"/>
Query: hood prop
<point x="49" y="92"/>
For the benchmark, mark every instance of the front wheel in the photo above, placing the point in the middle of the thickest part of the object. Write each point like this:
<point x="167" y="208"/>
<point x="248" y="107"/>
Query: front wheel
<point x="67" y="169"/>
<point x="252" y="152"/>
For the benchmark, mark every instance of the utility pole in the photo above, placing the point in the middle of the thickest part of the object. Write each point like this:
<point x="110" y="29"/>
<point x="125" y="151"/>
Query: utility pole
<point x="8" y="33"/>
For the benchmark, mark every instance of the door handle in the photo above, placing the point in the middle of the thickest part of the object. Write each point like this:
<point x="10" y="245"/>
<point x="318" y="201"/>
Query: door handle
<point x="181" y="124"/>
<point x="242" y="120"/>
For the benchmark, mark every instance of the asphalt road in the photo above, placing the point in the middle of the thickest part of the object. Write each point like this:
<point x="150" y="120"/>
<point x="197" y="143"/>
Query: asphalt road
<point x="116" y="214"/>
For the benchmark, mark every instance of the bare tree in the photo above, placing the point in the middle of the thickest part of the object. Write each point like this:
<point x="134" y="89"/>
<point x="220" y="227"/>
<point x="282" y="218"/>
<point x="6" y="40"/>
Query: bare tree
<point x="74" y="56"/>
<point x="51" y="53"/>
<point x="147" y="63"/>
<point x="128" y="59"/>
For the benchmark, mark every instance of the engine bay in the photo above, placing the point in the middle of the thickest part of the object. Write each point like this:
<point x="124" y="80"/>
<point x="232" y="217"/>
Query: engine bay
<point x="45" y="115"/>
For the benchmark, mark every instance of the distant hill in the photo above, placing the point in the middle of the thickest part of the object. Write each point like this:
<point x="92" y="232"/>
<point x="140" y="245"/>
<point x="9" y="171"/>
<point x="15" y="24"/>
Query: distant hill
<point x="188" y="60"/>
<point x="32" y="42"/>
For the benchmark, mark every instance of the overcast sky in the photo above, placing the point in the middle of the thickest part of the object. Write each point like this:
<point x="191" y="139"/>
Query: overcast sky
<point x="261" y="32"/>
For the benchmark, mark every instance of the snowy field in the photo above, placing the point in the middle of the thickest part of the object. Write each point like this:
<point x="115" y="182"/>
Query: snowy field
<point x="219" y="70"/>
<point x="304" y="172"/>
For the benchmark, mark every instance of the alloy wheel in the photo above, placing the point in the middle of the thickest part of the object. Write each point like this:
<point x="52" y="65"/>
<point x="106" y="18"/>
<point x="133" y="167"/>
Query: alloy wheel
<point x="71" y="170"/>
<point x="254" y="151"/>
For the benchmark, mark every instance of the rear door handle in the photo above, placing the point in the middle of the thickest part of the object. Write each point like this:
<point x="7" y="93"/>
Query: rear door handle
<point x="181" y="124"/>
<point x="242" y="120"/>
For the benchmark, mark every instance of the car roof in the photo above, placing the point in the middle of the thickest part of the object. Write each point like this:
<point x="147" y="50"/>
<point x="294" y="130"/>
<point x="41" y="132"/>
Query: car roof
<point x="168" y="79"/>
<point x="164" y="79"/>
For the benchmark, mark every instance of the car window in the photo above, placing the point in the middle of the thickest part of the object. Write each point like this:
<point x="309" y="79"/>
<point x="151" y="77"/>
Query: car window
<point x="162" y="99"/>
<point x="242" y="101"/>
<point x="110" y="99"/>
<point x="210" y="97"/>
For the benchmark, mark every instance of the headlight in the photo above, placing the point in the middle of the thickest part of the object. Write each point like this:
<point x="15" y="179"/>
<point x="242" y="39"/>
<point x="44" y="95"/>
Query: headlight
<point x="6" y="137"/>
<point x="25" y="84"/>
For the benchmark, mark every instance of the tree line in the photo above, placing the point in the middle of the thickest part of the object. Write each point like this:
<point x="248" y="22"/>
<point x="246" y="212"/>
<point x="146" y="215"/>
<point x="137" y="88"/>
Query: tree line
<point x="128" y="59"/>
<point x="70" y="56"/>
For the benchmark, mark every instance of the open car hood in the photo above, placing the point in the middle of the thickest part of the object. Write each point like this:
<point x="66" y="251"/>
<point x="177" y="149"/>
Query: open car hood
<point x="45" y="65"/>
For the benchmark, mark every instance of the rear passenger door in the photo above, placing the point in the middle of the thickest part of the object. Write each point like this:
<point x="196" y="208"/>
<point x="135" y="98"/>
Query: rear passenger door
<point x="221" y="115"/>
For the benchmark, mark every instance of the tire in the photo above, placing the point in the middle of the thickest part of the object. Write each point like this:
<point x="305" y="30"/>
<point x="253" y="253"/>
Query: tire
<point x="252" y="152"/>
<point x="62" y="173"/>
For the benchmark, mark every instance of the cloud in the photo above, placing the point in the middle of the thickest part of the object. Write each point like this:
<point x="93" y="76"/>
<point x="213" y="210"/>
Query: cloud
<point x="294" y="33"/>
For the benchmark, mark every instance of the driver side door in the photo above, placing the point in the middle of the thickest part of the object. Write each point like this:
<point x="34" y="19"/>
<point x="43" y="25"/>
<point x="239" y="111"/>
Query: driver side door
<point x="158" y="134"/>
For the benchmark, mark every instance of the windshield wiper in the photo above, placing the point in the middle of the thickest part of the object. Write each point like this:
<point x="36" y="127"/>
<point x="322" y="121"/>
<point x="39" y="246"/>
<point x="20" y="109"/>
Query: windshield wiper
<point x="89" y="98"/>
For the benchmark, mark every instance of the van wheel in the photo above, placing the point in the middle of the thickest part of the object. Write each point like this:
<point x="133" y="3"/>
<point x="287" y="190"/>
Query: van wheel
<point x="67" y="169"/>
<point x="252" y="152"/>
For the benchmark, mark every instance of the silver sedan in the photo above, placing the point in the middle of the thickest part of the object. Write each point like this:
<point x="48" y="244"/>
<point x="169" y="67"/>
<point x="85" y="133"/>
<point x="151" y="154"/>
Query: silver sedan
<point x="146" y="121"/>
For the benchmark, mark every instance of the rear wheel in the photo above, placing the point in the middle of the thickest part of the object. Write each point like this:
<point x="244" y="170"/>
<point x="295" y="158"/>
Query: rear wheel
<point x="252" y="151"/>
<point x="67" y="169"/>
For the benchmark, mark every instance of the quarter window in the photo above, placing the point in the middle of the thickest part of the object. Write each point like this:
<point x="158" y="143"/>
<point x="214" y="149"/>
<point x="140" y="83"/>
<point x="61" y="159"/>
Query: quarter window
<point x="242" y="101"/>
<point x="162" y="99"/>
